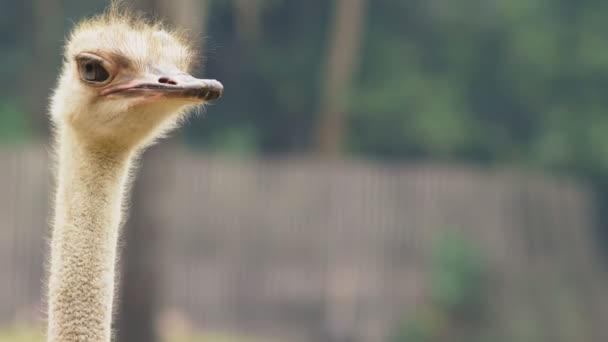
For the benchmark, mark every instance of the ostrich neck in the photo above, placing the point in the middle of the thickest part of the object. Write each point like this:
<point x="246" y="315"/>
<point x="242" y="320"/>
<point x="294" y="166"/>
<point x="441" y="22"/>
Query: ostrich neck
<point x="90" y="190"/>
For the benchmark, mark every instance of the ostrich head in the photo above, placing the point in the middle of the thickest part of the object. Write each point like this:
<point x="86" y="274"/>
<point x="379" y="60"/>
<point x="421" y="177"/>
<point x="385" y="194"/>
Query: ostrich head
<point x="126" y="81"/>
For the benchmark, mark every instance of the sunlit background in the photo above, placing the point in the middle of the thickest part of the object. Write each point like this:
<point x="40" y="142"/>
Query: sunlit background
<point x="377" y="171"/>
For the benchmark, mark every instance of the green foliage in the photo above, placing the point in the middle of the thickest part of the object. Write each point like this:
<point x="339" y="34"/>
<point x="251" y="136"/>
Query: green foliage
<point x="510" y="81"/>
<point x="457" y="293"/>
<point x="425" y="327"/>
<point x="457" y="279"/>
<point x="237" y="141"/>
<point x="501" y="82"/>
<point x="271" y="83"/>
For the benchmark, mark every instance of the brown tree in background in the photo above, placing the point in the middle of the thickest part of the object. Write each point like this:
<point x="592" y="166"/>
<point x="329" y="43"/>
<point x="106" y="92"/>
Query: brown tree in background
<point x="341" y="64"/>
<point x="140" y="297"/>
<point x="141" y="273"/>
<point x="248" y="22"/>
<point x="186" y="14"/>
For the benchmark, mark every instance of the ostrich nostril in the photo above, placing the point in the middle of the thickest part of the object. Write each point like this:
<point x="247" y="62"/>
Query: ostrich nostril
<point x="167" y="80"/>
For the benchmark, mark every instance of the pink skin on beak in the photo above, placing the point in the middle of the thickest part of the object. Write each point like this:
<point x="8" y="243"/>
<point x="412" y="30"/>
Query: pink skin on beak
<point x="174" y="85"/>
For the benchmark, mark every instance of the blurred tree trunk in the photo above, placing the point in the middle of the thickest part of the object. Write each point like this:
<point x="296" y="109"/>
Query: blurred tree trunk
<point x="138" y="303"/>
<point x="140" y="298"/>
<point x="141" y="272"/>
<point x="248" y="20"/>
<point x="341" y="64"/>
<point x="187" y="14"/>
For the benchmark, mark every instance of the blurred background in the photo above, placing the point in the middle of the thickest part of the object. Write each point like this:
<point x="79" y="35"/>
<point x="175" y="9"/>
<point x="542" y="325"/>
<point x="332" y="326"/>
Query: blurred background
<point x="378" y="170"/>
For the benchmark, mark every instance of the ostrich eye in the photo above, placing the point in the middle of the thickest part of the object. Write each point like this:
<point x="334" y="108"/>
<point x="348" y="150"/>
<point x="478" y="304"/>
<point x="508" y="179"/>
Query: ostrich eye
<point x="92" y="71"/>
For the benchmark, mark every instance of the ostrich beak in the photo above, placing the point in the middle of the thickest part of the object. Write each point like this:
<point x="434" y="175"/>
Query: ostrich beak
<point x="167" y="85"/>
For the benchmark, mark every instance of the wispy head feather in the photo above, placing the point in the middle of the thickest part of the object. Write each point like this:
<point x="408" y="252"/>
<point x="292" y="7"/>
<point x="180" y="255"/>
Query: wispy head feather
<point x="127" y="32"/>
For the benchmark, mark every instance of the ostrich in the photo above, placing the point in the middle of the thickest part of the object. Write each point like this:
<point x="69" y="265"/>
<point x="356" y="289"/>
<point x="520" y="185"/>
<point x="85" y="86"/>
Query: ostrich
<point x="124" y="83"/>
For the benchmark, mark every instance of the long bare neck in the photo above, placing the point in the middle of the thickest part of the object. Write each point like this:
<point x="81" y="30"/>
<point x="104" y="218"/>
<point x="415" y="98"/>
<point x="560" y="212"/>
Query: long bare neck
<point x="90" y="190"/>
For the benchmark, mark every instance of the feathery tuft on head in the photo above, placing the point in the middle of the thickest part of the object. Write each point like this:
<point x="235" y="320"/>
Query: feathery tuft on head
<point x="127" y="33"/>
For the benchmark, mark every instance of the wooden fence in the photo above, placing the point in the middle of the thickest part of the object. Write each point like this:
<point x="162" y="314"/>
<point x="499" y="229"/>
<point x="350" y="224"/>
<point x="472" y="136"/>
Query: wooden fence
<point x="338" y="251"/>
